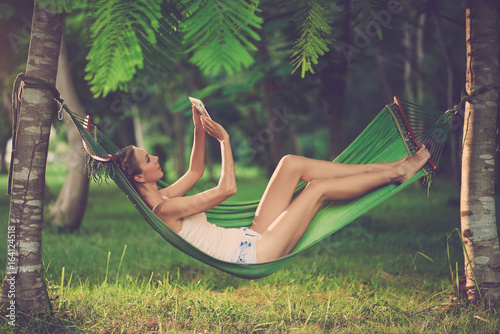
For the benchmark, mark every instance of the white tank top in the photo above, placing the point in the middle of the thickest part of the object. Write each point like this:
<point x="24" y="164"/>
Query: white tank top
<point x="211" y="239"/>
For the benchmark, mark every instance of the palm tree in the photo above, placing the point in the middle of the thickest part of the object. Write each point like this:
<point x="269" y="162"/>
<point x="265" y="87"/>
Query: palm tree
<point x="477" y="205"/>
<point x="24" y="262"/>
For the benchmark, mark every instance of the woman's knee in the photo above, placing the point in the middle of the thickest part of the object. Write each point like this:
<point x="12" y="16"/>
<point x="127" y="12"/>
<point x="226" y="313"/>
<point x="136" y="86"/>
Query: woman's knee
<point x="289" y="162"/>
<point x="317" y="188"/>
<point x="293" y="163"/>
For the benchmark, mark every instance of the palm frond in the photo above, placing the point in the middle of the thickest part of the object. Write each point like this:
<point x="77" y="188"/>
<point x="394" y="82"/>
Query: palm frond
<point x="219" y="32"/>
<point x="313" y="20"/>
<point x="122" y="34"/>
<point x="168" y="36"/>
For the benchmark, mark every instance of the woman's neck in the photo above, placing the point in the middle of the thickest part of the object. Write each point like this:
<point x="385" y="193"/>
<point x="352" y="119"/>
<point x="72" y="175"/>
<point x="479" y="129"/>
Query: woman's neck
<point x="150" y="194"/>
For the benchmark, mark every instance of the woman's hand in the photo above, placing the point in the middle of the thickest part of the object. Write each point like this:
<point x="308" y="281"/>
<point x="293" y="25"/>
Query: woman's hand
<point x="214" y="129"/>
<point x="197" y="118"/>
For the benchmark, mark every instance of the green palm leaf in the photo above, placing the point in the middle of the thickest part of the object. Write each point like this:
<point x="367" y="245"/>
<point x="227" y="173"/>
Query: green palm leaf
<point x="219" y="33"/>
<point x="313" y="20"/>
<point x="123" y="34"/>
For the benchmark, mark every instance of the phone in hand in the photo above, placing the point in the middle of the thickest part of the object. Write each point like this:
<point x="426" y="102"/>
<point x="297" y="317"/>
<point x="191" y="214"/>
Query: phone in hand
<point x="200" y="106"/>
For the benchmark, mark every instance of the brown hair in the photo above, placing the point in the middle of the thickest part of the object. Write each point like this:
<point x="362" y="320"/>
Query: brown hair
<point x="125" y="159"/>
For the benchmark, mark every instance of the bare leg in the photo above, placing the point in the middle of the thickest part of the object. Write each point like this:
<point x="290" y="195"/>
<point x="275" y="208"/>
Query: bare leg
<point x="290" y="171"/>
<point x="283" y="234"/>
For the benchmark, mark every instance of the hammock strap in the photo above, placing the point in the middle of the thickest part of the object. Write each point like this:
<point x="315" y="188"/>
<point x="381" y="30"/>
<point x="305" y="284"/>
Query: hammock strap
<point x="22" y="82"/>
<point x="460" y="107"/>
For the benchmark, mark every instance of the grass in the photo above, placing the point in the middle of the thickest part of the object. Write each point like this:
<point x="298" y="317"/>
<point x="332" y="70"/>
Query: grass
<point x="387" y="272"/>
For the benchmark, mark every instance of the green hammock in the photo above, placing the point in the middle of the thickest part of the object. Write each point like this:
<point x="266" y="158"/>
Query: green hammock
<point x="387" y="138"/>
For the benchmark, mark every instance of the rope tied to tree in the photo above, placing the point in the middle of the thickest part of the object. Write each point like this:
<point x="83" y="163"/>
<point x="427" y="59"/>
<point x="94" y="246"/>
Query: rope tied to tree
<point x="460" y="107"/>
<point x="22" y="82"/>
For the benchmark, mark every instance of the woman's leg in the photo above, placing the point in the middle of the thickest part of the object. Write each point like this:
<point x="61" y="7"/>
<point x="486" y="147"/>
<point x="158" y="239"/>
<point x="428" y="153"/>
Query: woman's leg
<point x="283" y="234"/>
<point x="290" y="171"/>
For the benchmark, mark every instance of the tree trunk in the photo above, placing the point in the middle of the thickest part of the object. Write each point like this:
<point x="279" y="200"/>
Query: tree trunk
<point x="334" y="83"/>
<point x="180" y="146"/>
<point x="477" y="204"/>
<point x="3" y="164"/>
<point x="5" y="131"/>
<point x="138" y="133"/>
<point x="294" y="138"/>
<point x="69" y="207"/>
<point x="384" y="81"/>
<point x="178" y="127"/>
<point x="23" y="290"/>
<point x="272" y="135"/>
<point x="454" y="141"/>
<point x="413" y="33"/>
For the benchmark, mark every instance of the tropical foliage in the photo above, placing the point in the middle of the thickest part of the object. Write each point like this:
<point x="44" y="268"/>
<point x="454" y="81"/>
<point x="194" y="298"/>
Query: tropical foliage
<point x="218" y="35"/>
<point x="122" y="32"/>
<point x="313" y="20"/>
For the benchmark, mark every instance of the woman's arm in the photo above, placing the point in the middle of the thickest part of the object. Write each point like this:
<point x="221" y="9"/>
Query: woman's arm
<point x="177" y="208"/>
<point x="196" y="164"/>
<point x="227" y="180"/>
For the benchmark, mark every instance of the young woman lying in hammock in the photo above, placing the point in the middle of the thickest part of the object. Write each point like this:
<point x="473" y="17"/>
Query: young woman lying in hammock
<point x="279" y="222"/>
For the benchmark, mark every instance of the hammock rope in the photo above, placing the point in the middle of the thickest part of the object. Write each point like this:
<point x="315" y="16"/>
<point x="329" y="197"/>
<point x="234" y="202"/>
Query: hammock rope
<point x="387" y="138"/>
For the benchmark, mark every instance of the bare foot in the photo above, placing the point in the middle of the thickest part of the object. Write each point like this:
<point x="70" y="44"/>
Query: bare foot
<point x="412" y="165"/>
<point x="378" y="166"/>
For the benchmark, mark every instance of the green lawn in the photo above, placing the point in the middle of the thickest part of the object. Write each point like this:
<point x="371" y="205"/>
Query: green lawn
<point x="387" y="272"/>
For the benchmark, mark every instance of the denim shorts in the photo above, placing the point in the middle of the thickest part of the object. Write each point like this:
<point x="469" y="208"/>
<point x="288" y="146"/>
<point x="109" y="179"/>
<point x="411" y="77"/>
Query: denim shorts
<point x="246" y="252"/>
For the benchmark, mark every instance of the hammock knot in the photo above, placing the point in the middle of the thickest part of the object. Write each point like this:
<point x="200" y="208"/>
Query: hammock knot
<point x="465" y="97"/>
<point x="22" y="82"/>
<point x="27" y="81"/>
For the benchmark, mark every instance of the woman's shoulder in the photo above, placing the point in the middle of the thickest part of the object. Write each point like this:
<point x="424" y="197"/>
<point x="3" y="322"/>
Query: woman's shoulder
<point x="164" y="210"/>
<point x="168" y="192"/>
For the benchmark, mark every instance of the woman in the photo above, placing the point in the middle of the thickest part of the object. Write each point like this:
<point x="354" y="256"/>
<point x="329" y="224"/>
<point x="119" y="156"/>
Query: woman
<point x="279" y="222"/>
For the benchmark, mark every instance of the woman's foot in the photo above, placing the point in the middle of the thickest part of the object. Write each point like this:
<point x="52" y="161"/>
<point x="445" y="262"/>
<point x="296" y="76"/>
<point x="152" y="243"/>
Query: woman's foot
<point x="412" y="165"/>
<point x="378" y="166"/>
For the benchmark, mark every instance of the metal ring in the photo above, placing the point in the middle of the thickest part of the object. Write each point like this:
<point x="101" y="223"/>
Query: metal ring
<point x="59" y="112"/>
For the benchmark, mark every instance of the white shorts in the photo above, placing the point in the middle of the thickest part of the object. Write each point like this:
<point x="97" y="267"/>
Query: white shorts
<point x="246" y="252"/>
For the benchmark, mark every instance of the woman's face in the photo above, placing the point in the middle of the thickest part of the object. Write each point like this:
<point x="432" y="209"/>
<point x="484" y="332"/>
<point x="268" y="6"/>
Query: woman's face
<point x="151" y="170"/>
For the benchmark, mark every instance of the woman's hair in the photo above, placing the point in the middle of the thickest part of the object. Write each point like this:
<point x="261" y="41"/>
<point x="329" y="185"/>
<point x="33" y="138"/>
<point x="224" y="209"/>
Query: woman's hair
<point x="125" y="159"/>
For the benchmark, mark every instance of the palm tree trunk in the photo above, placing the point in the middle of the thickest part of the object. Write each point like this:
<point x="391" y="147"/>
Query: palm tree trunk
<point x="69" y="208"/>
<point x="24" y="268"/>
<point x="454" y="141"/>
<point x="477" y="204"/>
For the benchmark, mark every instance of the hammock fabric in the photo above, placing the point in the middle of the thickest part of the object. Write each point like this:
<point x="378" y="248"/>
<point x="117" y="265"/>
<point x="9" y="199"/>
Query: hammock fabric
<point x="387" y="138"/>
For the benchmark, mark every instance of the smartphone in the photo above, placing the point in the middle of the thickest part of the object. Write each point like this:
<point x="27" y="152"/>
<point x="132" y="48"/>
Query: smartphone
<point x="200" y="106"/>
